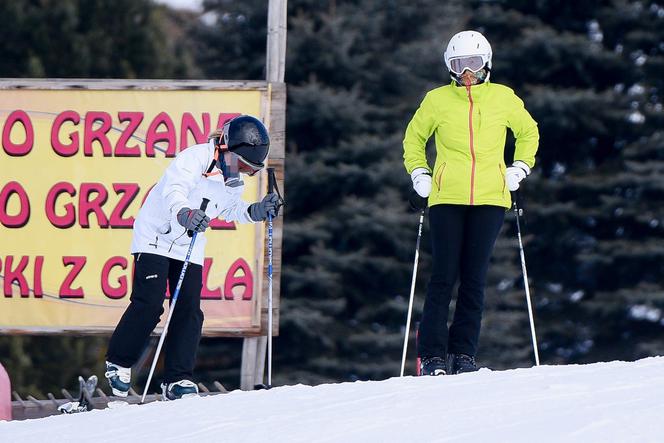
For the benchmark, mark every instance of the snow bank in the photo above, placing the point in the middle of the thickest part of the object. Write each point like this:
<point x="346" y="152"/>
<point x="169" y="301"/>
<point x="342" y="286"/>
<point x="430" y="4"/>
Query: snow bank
<point x="603" y="402"/>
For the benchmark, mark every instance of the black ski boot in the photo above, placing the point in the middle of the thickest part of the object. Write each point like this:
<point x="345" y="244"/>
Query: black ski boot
<point x="433" y="366"/>
<point x="460" y="363"/>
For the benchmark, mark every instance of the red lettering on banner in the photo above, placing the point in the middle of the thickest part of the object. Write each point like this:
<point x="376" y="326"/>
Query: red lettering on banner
<point x="91" y="134"/>
<point x="189" y="124"/>
<point x="127" y="192"/>
<point x="110" y="291"/>
<point x="86" y="206"/>
<point x="37" y="277"/>
<point x="66" y="291"/>
<point x="18" y="149"/>
<point x="206" y="293"/>
<point x="98" y="124"/>
<point x="21" y="219"/>
<point x="245" y="280"/>
<point x="65" y="150"/>
<point x="91" y="199"/>
<point x="16" y="275"/>
<point x="153" y="136"/>
<point x="60" y="221"/>
<point x="224" y="117"/>
<point x="218" y="223"/>
<point x="121" y="148"/>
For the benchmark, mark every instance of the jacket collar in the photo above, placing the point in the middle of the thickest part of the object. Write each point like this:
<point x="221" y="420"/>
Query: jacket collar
<point x="477" y="91"/>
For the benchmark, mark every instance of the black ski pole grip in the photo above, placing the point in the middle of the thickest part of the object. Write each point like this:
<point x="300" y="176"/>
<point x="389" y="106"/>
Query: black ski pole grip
<point x="271" y="180"/>
<point x="204" y="204"/>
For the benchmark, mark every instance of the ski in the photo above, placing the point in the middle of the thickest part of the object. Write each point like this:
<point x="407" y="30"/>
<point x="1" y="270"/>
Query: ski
<point x="84" y="402"/>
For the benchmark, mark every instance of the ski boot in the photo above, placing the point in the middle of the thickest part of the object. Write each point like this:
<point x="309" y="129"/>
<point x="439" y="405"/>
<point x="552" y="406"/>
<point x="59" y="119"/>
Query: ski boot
<point x="460" y="363"/>
<point x="179" y="389"/>
<point x="433" y="366"/>
<point x="119" y="378"/>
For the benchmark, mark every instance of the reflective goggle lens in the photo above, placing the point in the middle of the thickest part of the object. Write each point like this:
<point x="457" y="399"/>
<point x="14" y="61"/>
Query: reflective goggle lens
<point x="473" y="63"/>
<point x="247" y="167"/>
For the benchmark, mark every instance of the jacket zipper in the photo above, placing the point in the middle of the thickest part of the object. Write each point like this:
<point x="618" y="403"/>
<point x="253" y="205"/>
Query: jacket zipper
<point x="472" y="146"/>
<point x="439" y="176"/>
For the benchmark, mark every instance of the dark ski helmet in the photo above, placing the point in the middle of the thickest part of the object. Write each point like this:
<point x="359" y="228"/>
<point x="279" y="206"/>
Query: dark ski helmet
<point x="247" y="137"/>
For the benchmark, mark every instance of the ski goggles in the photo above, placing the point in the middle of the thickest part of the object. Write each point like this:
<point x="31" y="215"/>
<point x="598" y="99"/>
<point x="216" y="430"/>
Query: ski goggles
<point x="247" y="167"/>
<point x="237" y="165"/>
<point x="473" y="63"/>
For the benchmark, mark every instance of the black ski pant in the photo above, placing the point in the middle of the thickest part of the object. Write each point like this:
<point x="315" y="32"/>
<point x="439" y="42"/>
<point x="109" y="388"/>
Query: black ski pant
<point x="462" y="239"/>
<point x="131" y="336"/>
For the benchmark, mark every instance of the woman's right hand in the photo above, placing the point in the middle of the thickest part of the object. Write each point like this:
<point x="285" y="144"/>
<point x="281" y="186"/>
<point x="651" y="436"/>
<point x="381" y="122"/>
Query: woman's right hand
<point x="193" y="219"/>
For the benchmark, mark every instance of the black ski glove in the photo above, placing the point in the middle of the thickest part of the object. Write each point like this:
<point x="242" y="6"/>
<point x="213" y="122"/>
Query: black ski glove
<point x="416" y="202"/>
<point x="268" y="206"/>
<point x="193" y="219"/>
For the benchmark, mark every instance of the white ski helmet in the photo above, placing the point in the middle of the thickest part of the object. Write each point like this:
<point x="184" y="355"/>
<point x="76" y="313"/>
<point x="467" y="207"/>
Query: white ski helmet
<point x="468" y="50"/>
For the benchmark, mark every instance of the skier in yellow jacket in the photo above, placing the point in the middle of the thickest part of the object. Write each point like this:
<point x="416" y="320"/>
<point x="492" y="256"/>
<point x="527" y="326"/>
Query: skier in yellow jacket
<point x="468" y="191"/>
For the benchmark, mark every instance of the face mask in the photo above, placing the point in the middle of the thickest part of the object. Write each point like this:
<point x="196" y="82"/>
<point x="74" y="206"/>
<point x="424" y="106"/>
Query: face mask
<point x="229" y="165"/>
<point x="475" y="77"/>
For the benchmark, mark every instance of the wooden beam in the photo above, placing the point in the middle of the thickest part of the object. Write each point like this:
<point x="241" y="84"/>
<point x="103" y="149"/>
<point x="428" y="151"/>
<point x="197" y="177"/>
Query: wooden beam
<point x="122" y="84"/>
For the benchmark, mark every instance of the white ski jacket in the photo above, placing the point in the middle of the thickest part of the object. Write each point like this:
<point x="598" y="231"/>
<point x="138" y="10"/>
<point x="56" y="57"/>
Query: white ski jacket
<point x="183" y="185"/>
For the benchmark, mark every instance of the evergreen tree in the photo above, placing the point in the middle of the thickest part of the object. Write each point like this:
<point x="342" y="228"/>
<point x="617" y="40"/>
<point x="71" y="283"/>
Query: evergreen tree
<point x="592" y="75"/>
<point x="100" y="39"/>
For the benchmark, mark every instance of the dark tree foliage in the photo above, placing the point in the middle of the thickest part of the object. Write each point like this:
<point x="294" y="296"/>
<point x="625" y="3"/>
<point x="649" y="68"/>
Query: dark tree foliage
<point x="97" y="39"/>
<point x="592" y="75"/>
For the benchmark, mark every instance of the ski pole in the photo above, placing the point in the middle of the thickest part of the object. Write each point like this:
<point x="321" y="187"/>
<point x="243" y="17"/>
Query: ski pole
<point x="172" y="306"/>
<point x="412" y="293"/>
<point x="518" y="212"/>
<point x="271" y="180"/>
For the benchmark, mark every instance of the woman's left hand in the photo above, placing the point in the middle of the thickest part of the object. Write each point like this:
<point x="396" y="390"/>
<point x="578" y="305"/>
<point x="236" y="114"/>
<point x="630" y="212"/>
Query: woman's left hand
<point x="515" y="173"/>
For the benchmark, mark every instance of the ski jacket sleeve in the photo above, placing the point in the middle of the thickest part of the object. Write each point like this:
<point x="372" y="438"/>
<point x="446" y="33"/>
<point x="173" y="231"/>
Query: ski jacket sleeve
<point x="236" y="209"/>
<point x="525" y="132"/>
<point x="181" y="177"/>
<point x="418" y="132"/>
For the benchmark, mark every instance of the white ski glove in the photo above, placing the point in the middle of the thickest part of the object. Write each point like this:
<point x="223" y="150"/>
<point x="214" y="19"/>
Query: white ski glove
<point x="421" y="178"/>
<point x="515" y="173"/>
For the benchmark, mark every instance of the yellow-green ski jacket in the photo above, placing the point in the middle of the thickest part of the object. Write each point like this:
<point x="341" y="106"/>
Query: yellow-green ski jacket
<point x="470" y="128"/>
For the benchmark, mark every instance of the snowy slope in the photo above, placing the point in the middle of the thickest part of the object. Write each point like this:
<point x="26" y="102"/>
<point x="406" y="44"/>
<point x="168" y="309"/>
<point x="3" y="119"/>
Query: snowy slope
<point x="603" y="402"/>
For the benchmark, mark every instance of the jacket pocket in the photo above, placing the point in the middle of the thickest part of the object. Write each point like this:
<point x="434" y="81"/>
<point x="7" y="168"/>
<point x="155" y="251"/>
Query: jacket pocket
<point x="502" y="177"/>
<point x="439" y="176"/>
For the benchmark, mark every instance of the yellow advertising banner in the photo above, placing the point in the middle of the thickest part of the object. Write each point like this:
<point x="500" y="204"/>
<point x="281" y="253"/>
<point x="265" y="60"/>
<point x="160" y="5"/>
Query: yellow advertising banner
<point x="75" y="167"/>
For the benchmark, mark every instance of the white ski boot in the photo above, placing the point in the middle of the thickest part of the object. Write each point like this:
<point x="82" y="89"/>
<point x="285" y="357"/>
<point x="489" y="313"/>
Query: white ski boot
<point x="119" y="378"/>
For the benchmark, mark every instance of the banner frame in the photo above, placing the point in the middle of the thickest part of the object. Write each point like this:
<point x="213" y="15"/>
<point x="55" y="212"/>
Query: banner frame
<point x="273" y="99"/>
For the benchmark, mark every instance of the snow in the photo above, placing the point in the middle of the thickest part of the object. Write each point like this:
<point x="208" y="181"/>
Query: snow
<point x="193" y="5"/>
<point x="643" y="312"/>
<point x="601" y="402"/>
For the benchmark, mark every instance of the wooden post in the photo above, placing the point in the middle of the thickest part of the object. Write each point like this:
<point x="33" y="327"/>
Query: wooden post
<point x="276" y="41"/>
<point x="254" y="348"/>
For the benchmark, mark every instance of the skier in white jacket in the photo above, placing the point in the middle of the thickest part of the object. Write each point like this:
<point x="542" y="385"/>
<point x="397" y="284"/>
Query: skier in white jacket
<point x="160" y="243"/>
